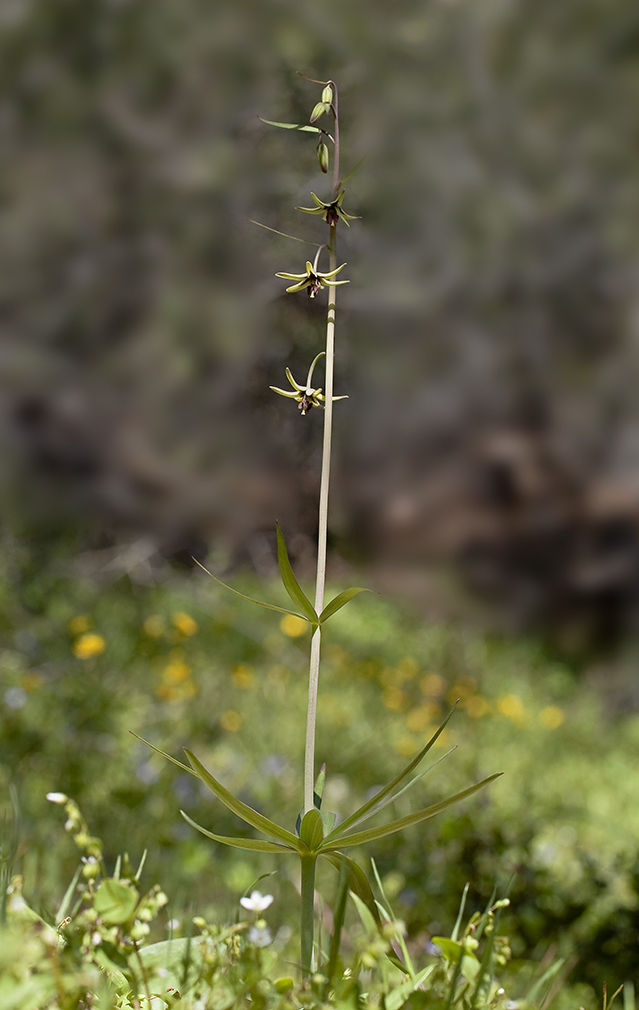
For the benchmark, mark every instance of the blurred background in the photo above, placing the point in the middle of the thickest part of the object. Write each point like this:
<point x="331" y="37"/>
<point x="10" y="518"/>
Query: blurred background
<point x="488" y="340"/>
<point x="486" y="463"/>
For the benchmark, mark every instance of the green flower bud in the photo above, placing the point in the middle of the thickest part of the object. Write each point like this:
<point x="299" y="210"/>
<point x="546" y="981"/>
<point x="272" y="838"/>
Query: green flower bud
<point x="322" y="156"/>
<point x="327" y="94"/>
<point x="318" y="111"/>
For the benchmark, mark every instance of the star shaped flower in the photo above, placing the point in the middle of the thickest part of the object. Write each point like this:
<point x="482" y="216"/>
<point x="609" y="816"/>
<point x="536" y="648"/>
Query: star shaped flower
<point x="312" y="278"/>
<point x="306" y="396"/>
<point x="331" y="212"/>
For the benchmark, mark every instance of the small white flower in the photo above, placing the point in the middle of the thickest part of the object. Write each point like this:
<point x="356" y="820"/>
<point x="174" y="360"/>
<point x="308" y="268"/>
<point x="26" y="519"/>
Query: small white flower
<point x="257" y="901"/>
<point x="56" y="798"/>
<point x="260" y="936"/>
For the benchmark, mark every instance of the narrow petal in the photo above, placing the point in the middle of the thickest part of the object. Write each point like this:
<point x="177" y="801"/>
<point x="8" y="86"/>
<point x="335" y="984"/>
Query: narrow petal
<point x="294" y="384"/>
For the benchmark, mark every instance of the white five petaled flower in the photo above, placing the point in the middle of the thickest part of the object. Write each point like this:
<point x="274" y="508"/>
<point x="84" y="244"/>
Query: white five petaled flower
<point x="257" y="902"/>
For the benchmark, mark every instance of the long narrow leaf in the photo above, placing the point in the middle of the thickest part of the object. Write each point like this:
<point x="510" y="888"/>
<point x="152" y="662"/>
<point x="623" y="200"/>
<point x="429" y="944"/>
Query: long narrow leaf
<point x="185" y="768"/>
<point x="264" y="824"/>
<point x="400" y="792"/>
<point x="291" y="126"/>
<point x="357" y="881"/>
<point x="256" y="844"/>
<point x="372" y="834"/>
<point x="291" y="584"/>
<point x="250" y="599"/>
<point x="376" y="801"/>
<point x="340" y="601"/>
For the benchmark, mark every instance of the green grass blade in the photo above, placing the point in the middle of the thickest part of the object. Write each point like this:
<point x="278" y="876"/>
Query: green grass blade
<point x="460" y="914"/>
<point x="263" y="824"/>
<point x="372" y="834"/>
<point x="284" y="234"/>
<point x="357" y="881"/>
<point x="396" y="998"/>
<point x="250" y="599"/>
<point x="376" y="802"/>
<point x="291" y="584"/>
<point x="340" y="601"/>
<point x="291" y="126"/>
<point x="353" y="170"/>
<point x="256" y="844"/>
<point x="68" y="895"/>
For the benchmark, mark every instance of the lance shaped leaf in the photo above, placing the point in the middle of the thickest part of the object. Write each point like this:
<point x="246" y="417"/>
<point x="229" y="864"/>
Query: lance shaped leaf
<point x="252" y="817"/>
<point x="291" y="584"/>
<point x="292" y="126"/>
<point x="340" y="601"/>
<point x="387" y="794"/>
<point x="250" y="599"/>
<point x="372" y="834"/>
<point x="357" y="881"/>
<point x="255" y="844"/>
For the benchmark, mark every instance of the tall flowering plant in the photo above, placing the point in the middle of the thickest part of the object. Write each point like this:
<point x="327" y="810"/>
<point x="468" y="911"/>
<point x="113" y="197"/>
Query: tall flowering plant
<point x="315" y="835"/>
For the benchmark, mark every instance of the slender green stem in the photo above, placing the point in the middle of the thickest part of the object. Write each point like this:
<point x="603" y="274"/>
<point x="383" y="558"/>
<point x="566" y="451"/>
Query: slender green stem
<point x="313" y="680"/>
<point x="308" y="896"/>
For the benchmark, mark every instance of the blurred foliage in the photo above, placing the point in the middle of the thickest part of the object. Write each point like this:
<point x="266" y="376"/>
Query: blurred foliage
<point x="493" y="272"/>
<point x="188" y="665"/>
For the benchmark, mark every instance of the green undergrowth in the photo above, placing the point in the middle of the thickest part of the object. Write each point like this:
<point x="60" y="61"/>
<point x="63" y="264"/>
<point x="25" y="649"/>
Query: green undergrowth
<point x="185" y="664"/>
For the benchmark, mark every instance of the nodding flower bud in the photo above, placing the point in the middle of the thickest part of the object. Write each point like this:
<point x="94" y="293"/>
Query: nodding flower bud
<point x="318" y="111"/>
<point x="327" y="94"/>
<point x="322" y="156"/>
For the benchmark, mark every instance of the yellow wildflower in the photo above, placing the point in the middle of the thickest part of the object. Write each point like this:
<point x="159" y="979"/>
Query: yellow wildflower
<point x="88" y="645"/>
<point x="432" y="684"/>
<point x="79" y="624"/>
<point x="154" y="626"/>
<point x="552" y="716"/>
<point x="476" y="706"/>
<point x="231" y="721"/>
<point x="184" y="623"/>
<point x="395" y="699"/>
<point x="243" y="677"/>
<point x="512" y="707"/>
<point x="293" y="626"/>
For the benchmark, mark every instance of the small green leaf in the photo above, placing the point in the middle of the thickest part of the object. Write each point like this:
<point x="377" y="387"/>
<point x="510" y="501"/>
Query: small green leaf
<point x="291" y="126"/>
<point x="386" y="794"/>
<point x="256" y="844"/>
<point x="115" y="902"/>
<point x="263" y="824"/>
<point x="453" y="952"/>
<point x="372" y="834"/>
<point x="311" y="829"/>
<point x="260" y="603"/>
<point x="291" y="584"/>
<point x="340" y="601"/>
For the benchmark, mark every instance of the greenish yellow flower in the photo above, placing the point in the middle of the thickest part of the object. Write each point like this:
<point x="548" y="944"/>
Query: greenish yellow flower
<point x="332" y="212"/>
<point x="313" y="279"/>
<point x="306" y="396"/>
